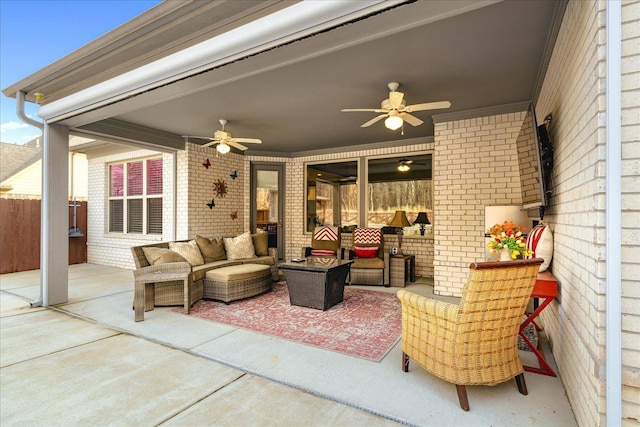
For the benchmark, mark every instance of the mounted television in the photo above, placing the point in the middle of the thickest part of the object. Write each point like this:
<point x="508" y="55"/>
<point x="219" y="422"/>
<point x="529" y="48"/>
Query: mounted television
<point x="535" y="161"/>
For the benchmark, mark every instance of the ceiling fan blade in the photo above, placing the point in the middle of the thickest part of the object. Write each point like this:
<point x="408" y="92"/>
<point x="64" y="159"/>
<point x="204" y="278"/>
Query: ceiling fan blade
<point x="412" y="120"/>
<point x="374" y="110"/>
<point x="247" y="140"/>
<point x="374" y="120"/>
<point x="208" y="138"/>
<point x="209" y="144"/>
<point x="395" y="99"/>
<point x="427" y="106"/>
<point x="198" y="137"/>
<point x="234" y="144"/>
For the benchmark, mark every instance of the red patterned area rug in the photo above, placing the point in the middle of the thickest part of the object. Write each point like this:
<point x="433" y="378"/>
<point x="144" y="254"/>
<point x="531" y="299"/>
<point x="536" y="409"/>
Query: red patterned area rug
<point x="366" y="324"/>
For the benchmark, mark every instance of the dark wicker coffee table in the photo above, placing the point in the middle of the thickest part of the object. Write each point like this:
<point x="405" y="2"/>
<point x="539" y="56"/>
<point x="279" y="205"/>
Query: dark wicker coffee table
<point x="316" y="283"/>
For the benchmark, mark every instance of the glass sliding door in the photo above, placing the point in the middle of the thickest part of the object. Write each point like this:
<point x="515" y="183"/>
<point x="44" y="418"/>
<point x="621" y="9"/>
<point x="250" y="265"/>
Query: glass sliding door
<point x="267" y="202"/>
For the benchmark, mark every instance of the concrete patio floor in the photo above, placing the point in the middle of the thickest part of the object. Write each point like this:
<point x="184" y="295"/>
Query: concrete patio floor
<point x="88" y="363"/>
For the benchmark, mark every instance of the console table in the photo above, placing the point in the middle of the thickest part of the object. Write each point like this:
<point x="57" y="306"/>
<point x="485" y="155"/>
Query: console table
<point x="546" y="288"/>
<point x="402" y="269"/>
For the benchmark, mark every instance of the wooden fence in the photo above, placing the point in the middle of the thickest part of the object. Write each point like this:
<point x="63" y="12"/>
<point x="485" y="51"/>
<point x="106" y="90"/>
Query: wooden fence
<point x="20" y="235"/>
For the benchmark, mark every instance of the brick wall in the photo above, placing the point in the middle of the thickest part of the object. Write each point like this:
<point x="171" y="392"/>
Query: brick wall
<point x="574" y="92"/>
<point x="475" y="165"/>
<point x="200" y="190"/>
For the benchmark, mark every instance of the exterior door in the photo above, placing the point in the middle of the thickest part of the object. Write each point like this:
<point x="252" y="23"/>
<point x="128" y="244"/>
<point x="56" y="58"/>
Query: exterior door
<point x="267" y="202"/>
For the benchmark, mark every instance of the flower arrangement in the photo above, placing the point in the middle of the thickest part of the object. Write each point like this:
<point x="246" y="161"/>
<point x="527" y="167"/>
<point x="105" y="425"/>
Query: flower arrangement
<point x="508" y="235"/>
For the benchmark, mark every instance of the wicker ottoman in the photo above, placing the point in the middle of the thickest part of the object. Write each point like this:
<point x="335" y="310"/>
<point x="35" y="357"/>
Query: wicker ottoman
<point x="237" y="282"/>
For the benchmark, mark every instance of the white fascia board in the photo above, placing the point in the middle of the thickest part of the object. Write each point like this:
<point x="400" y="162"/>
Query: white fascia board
<point x="299" y="20"/>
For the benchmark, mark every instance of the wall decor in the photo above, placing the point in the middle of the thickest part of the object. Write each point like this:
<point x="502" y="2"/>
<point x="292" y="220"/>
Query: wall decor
<point x="234" y="215"/>
<point x="207" y="164"/>
<point x="212" y="204"/>
<point x="234" y="175"/>
<point x="220" y="187"/>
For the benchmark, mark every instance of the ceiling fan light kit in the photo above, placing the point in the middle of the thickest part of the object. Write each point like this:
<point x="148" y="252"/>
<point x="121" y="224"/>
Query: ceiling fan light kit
<point x="223" y="140"/>
<point x="395" y="111"/>
<point x="223" y="148"/>
<point x="403" y="167"/>
<point x="393" y="122"/>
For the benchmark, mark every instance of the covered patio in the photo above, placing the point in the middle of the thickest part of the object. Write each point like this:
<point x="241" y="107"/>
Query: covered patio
<point x="177" y="370"/>
<point x="283" y="71"/>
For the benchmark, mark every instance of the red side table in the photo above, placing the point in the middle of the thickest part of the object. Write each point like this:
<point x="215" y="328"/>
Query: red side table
<point x="546" y="288"/>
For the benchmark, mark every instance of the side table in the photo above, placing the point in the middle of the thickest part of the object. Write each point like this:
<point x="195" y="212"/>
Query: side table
<point x="402" y="269"/>
<point x="546" y="288"/>
<point x="145" y="291"/>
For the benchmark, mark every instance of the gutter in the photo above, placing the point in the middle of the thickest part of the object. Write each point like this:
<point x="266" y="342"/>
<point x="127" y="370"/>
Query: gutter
<point x="22" y="116"/>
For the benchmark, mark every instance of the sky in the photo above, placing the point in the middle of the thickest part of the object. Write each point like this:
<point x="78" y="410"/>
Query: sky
<point x="36" y="33"/>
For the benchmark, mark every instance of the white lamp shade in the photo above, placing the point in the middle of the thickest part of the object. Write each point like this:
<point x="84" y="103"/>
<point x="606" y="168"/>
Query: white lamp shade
<point x="393" y="122"/>
<point x="223" y="148"/>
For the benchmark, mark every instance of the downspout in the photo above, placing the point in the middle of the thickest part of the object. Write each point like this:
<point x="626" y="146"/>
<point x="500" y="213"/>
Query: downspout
<point x="22" y="116"/>
<point x="613" y="213"/>
<point x="20" y="112"/>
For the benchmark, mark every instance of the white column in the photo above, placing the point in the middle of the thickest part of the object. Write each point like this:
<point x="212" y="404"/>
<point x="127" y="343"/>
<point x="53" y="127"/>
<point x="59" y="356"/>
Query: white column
<point x="54" y="250"/>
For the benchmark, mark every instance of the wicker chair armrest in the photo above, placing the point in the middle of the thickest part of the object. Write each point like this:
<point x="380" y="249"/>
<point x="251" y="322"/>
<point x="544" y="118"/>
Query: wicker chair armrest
<point x="170" y="267"/>
<point x="273" y="252"/>
<point x="429" y="307"/>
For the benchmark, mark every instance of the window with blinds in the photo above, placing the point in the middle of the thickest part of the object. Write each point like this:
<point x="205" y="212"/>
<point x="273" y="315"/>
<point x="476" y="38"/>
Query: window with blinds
<point x="135" y="197"/>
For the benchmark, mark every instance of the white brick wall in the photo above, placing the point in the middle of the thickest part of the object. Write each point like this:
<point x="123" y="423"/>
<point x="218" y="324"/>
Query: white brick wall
<point x="475" y="165"/>
<point x="574" y="92"/>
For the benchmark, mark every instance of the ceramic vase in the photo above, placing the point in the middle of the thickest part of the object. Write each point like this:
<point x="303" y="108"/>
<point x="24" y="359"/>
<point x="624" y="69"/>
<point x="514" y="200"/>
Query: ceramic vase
<point x="504" y="255"/>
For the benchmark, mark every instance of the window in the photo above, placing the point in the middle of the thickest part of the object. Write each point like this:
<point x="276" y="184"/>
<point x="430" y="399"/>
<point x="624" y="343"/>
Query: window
<point x="332" y="194"/>
<point x="400" y="183"/>
<point x="135" y="197"/>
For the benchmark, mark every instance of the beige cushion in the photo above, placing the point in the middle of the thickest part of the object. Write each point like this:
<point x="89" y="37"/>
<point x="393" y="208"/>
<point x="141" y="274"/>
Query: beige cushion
<point x="239" y="247"/>
<point x="368" y="263"/>
<point x="266" y="260"/>
<point x="212" y="249"/>
<point x="189" y="250"/>
<point x="261" y="242"/>
<point x="157" y="256"/>
<point x="237" y="272"/>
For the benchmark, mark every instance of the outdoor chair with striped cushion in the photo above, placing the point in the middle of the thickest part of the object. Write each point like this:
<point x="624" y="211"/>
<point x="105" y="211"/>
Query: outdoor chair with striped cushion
<point x="325" y="243"/>
<point x="370" y="260"/>
<point x="474" y="342"/>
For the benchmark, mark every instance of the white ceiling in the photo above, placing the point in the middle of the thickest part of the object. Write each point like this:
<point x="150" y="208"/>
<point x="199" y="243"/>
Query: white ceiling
<point x="473" y="53"/>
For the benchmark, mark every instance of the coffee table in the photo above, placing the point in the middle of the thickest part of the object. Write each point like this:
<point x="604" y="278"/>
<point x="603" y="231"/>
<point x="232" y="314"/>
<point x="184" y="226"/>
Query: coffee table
<point x="316" y="283"/>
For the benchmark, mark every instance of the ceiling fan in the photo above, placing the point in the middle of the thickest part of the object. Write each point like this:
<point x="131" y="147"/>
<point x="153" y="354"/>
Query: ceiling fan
<point x="395" y="111"/>
<point x="224" y="141"/>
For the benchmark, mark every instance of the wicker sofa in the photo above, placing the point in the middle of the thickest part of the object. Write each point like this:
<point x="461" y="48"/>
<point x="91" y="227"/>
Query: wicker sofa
<point x="172" y="293"/>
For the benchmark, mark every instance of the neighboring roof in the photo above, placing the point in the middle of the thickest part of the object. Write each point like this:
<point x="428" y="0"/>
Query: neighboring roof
<point x="14" y="157"/>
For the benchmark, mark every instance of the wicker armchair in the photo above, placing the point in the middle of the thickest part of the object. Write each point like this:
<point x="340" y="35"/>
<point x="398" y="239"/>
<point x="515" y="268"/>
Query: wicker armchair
<point x="370" y="260"/>
<point x="476" y="342"/>
<point x="325" y="243"/>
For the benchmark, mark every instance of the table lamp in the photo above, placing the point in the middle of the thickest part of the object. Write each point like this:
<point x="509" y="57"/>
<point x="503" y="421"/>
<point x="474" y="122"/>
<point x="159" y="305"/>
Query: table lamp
<point x="423" y="221"/>
<point x="399" y="221"/>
